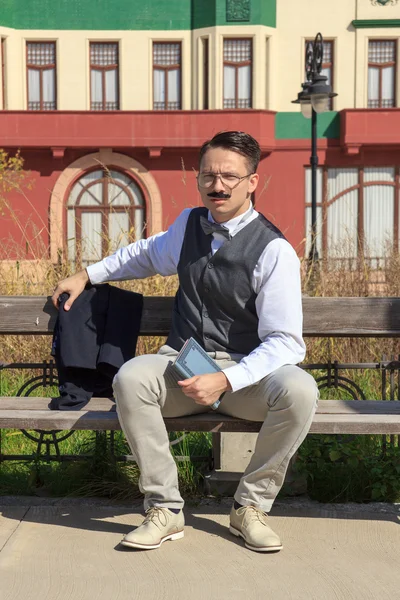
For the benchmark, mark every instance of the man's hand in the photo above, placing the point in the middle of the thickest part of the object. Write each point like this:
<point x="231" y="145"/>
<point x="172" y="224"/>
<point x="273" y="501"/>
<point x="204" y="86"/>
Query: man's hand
<point x="73" y="285"/>
<point x="205" y="389"/>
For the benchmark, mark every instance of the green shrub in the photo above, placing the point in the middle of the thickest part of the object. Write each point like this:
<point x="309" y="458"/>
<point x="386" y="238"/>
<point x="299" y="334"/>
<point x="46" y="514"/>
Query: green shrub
<point x="350" y="468"/>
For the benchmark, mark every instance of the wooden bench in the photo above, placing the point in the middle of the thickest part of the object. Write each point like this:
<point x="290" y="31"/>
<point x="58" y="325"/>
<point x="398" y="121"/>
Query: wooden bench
<point x="323" y="317"/>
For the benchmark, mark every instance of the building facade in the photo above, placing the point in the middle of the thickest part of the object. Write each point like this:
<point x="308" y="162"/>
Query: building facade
<point x="109" y="103"/>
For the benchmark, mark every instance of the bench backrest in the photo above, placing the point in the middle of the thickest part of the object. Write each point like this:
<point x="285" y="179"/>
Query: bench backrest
<point x="323" y="317"/>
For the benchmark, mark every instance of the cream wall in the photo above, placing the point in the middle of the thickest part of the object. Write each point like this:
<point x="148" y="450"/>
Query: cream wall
<point x="261" y="37"/>
<point x="278" y="56"/>
<point x="362" y="38"/>
<point x="298" y="21"/>
<point x="136" y="85"/>
<point x="366" y="10"/>
<point x="73" y="81"/>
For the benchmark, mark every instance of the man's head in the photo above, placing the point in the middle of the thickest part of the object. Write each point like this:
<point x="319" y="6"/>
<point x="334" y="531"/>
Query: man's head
<point x="227" y="173"/>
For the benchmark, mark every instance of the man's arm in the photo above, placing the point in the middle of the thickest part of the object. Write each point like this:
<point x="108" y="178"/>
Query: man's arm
<point x="279" y="308"/>
<point x="156" y="254"/>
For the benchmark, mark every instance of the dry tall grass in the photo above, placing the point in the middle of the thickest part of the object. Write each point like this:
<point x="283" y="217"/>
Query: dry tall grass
<point x="354" y="278"/>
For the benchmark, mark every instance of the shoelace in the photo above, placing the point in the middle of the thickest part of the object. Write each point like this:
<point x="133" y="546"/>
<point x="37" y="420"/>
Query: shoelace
<point x="156" y="515"/>
<point x="252" y="513"/>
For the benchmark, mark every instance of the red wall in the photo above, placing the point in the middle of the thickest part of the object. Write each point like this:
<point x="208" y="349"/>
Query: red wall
<point x="174" y="171"/>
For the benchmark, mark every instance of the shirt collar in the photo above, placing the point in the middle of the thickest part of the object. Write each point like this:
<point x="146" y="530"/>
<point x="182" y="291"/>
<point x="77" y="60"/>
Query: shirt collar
<point x="232" y="224"/>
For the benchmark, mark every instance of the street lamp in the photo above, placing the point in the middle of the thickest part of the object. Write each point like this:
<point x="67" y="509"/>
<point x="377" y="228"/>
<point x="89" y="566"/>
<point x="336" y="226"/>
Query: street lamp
<point x="314" y="99"/>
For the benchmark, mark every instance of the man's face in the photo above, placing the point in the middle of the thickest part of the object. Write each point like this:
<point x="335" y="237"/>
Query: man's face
<point x="230" y="199"/>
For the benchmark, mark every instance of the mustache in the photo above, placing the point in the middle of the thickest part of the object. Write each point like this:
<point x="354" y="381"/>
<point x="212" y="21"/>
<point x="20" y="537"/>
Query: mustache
<point x="219" y="195"/>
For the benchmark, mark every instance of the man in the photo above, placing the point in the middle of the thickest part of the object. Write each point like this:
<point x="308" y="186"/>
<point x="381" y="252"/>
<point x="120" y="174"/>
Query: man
<point x="240" y="298"/>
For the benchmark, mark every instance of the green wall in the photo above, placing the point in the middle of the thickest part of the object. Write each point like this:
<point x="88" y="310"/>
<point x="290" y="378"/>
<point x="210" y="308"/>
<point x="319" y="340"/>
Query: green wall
<point x="133" y="14"/>
<point x="207" y="13"/>
<point x="292" y="125"/>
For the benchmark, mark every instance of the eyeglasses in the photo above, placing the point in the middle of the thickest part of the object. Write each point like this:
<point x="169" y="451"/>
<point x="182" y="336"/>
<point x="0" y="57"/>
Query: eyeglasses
<point x="206" y="180"/>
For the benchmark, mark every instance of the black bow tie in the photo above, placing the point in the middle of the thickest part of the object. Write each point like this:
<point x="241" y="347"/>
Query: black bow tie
<point x="209" y="227"/>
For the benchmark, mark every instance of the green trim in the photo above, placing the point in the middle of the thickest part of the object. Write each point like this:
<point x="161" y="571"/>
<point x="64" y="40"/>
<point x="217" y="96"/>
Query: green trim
<point x="203" y="14"/>
<point x="375" y="23"/>
<point x="292" y="125"/>
<point x="138" y="15"/>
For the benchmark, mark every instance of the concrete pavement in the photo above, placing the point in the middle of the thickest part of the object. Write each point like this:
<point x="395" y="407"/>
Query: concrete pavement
<point x="69" y="549"/>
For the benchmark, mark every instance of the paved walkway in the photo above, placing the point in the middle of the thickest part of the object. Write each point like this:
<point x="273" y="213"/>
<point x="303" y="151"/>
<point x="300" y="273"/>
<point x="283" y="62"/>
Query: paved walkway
<point x="69" y="549"/>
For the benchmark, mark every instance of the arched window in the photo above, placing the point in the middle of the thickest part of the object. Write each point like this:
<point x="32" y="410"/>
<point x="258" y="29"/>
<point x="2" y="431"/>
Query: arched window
<point x="358" y="212"/>
<point x="106" y="210"/>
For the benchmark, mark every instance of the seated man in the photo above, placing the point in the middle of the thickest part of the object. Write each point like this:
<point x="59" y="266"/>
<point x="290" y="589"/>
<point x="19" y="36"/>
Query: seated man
<point x="240" y="298"/>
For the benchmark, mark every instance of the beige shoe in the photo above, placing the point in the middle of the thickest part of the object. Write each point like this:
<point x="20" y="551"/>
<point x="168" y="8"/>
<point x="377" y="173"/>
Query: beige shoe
<point x="250" y="523"/>
<point x="159" y="526"/>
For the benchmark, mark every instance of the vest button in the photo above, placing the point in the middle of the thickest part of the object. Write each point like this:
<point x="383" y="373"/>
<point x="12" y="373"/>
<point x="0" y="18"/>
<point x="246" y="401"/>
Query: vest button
<point x="210" y="265"/>
<point x="205" y="314"/>
<point x="206" y="337"/>
<point x="206" y="288"/>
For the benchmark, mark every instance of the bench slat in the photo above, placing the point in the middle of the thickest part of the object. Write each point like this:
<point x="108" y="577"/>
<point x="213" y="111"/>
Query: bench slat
<point x="335" y="407"/>
<point x="36" y="315"/>
<point x="99" y="421"/>
<point x="323" y="317"/>
<point x="333" y="416"/>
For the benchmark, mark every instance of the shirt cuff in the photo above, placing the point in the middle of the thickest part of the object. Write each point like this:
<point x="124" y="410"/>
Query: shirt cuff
<point x="97" y="273"/>
<point x="237" y="377"/>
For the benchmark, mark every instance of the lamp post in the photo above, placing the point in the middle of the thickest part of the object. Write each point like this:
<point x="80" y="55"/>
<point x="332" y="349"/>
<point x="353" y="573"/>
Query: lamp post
<point x="314" y="99"/>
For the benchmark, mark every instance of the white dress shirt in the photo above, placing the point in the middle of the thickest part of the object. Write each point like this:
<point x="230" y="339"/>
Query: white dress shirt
<point x="276" y="281"/>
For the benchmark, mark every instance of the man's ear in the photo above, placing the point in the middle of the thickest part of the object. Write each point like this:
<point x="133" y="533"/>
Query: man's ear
<point x="253" y="182"/>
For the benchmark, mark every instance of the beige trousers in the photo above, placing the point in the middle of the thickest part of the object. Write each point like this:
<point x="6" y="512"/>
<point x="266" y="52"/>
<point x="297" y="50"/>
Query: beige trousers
<point x="146" y="391"/>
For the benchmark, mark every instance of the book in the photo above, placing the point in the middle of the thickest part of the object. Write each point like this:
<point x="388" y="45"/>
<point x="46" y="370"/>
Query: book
<point x="193" y="360"/>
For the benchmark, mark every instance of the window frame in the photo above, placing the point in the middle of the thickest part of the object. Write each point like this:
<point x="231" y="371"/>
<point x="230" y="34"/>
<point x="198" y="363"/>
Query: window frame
<point x="3" y="72"/>
<point x="360" y="186"/>
<point x="237" y="66"/>
<point x="206" y="72"/>
<point x="382" y="66"/>
<point x="104" y="208"/>
<point x="41" y="68"/>
<point x="104" y="69"/>
<point x="166" y="69"/>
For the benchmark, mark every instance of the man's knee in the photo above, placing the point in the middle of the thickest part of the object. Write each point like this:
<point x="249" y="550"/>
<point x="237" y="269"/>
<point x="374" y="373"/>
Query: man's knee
<point x="293" y="387"/>
<point x="137" y="378"/>
<point x="131" y="371"/>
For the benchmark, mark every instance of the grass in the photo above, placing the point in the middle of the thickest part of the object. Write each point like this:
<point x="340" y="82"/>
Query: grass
<point x="101" y="474"/>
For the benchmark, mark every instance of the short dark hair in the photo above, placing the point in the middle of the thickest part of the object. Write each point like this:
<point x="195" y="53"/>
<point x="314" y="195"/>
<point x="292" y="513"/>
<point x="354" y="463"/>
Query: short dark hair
<point x="236" y="141"/>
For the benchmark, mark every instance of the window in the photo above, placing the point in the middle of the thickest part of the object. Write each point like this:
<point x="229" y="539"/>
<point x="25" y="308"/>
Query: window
<point x="381" y="73"/>
<point x="357" y="213"/>
<point x="3" y="72"/>
<point x="41" y="65"/>
<point x="205" y="73"/>
<point x="327" y="64"/>
<point x="166" y="76"/>
<point x="237" y="73"/>
<point x="106" y="210"/>
<point x="104" y="76"/>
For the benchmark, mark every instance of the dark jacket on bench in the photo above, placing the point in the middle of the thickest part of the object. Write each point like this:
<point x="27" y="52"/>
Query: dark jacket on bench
<point x="92" y="341"/>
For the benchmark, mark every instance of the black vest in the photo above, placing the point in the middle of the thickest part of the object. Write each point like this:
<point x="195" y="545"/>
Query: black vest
<point x="215" y="302"/>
